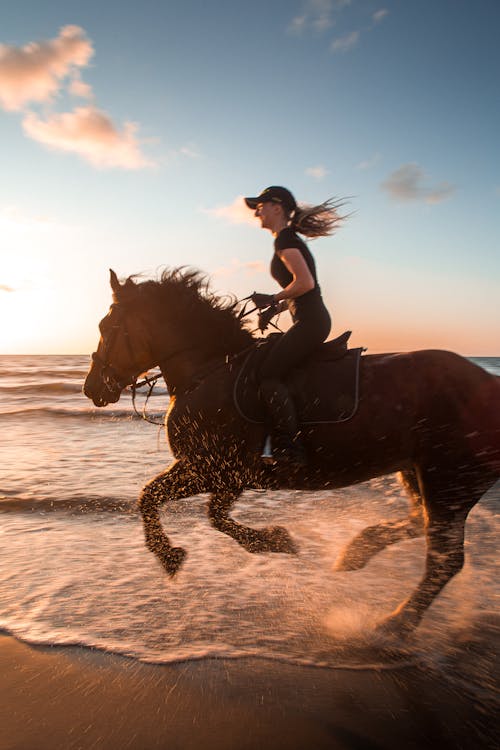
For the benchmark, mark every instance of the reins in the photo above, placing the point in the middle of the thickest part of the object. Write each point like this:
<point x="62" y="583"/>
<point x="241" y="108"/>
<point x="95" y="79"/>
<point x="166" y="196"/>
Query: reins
<point x="244" y="312"/>
<point x="198" y="378"/>
<point x="152" y="381"/>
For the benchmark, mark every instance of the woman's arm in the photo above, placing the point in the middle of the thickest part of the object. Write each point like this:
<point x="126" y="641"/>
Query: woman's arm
<point x="302" y="280"/>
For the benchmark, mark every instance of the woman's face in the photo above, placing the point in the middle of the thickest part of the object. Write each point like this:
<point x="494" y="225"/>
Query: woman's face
<point x="268" y="213"/>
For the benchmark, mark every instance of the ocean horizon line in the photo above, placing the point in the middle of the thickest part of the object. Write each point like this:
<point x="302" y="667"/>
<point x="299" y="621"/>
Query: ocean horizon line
<point x="368" y="350"/>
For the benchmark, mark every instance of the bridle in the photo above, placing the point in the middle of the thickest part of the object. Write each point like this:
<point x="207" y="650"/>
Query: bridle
<point x="111" y="378"/>
<point x="109" y="375"/>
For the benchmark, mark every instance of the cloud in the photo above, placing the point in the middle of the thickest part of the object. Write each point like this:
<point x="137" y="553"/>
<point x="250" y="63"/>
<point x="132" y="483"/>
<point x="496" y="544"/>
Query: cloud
<point x="440" y="193"/>
<point x="190" y="152"/>
<point x="297" y="25"/>
<point x="379" y="15"/>
<point x="405" y="184"/>
<point x="77" y="87"/>
<point x="318" y="172"/>
<point x="345" y="43"/>
<point x="236" y="213"/>
<point x="320" y="15"/>
<point x="237" y="267"/>
<point x="13" y="218"/>
<point x="5" y="288"/>
<point x="35" y="72"/>
<point x="317" y="15"/>
<point x="369" y="163"/>
<point x="90" y="133"/>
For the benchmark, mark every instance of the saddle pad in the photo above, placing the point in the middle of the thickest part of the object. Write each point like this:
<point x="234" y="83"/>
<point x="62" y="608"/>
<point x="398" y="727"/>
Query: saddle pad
<point x="323" y="392"/>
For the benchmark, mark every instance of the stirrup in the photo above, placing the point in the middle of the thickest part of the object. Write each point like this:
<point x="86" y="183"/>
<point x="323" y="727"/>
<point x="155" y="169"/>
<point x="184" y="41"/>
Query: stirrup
<point x="267" y="451"/>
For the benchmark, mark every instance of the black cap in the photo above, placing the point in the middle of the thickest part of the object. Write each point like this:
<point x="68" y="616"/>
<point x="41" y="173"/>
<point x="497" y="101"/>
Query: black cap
<point x="273" y="194"/>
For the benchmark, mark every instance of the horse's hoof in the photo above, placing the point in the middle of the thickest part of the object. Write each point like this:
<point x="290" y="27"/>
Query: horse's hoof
<point x="349" y="562"/>
<point x="395" y="626"/>
<point x="281" y="541"/>
<point x="173" y="560"/>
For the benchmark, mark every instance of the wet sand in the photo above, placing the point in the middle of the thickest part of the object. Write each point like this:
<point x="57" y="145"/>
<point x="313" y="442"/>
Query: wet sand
<point x="70" y="698"/>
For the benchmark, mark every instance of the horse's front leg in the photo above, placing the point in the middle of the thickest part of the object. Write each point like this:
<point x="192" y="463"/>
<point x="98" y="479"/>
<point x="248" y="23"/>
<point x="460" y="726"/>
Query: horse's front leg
<point x="180" y="480"/>
<point x="272" y="539"/>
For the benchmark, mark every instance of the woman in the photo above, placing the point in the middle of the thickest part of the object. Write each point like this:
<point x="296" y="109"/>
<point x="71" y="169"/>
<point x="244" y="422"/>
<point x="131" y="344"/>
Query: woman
<point x="293" y="267"/>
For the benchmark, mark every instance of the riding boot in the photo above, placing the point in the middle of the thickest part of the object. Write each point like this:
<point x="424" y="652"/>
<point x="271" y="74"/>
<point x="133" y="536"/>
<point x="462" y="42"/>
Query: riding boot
<point x="282" y="424"/>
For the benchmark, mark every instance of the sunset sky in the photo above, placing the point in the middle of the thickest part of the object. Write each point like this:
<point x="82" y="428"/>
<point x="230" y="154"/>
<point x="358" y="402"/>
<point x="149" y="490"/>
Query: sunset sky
<point x="130" y="131"/>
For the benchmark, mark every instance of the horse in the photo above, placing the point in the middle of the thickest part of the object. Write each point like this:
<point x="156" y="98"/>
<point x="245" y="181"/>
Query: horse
<point x="431" y="415"/>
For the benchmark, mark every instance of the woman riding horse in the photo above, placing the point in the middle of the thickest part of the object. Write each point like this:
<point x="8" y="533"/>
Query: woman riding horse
<point x="431" y="415"/>
<point x="293" y="267"/>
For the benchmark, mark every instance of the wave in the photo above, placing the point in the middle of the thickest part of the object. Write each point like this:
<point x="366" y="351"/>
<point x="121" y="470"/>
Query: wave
<point x="102" y="588"/>
<point x="54" y="388"/>
<point x="376" y="657"/>
<point x="22" y="372"/>
<point x="81" y="413"/>
<point x="73" y="377"/>
<point x="75" y="504"/>
<point x="63" y="388"/>
<point x="490" y="364"/>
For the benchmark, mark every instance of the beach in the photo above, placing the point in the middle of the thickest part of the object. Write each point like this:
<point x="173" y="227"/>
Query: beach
<point x="100" y="649"/>
<point x="182" y="182"/>
<point x="76" y="698"/>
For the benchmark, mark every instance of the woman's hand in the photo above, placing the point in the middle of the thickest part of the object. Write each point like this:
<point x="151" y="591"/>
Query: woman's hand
<point x="263" y="300"/>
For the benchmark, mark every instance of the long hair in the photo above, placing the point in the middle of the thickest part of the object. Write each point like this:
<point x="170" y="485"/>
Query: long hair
<point x="318" y="221"/>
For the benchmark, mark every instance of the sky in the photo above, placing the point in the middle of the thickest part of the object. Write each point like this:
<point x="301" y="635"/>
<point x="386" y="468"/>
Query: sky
<point x="129" y="133"/>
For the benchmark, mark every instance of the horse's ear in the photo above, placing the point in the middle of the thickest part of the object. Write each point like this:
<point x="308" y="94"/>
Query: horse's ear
<point x="113" y="280"/>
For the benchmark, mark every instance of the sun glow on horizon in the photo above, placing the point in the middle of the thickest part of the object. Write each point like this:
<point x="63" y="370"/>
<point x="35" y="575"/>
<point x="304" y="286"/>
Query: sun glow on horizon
<point x="27" y="299"/>
<point x="26" y="320"/>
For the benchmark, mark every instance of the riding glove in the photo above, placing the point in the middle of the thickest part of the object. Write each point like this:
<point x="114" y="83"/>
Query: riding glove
<point x="263" y="300"/>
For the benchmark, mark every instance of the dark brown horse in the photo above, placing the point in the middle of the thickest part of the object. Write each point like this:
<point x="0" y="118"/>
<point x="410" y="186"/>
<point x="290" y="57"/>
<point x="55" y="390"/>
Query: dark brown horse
<point x="431" y="415"/>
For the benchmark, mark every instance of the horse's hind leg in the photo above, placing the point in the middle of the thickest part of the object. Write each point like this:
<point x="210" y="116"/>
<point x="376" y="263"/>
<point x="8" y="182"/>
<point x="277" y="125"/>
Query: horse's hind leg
<point x="447" y="505"/>
<point x="374" y="539"/>
<point x="274" y="539"/>
<point x="445" y="558"/>
<point x="178" y="481"/>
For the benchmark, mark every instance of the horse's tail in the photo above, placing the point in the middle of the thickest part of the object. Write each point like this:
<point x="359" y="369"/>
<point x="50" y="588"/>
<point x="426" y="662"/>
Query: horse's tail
<point x="464" y="406"/>
<point x="478" y="393"/>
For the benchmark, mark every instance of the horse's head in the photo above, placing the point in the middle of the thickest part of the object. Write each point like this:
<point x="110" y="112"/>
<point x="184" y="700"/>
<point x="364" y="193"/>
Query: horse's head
<point x="124" y="349"/>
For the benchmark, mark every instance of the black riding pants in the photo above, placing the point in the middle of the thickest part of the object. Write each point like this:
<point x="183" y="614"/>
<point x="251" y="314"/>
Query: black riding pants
<point x="295" y="345"/>
<point x="311" y="327"/>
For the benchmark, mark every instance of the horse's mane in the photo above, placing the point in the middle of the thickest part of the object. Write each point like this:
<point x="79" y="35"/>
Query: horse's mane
<point x="182" y="296"/>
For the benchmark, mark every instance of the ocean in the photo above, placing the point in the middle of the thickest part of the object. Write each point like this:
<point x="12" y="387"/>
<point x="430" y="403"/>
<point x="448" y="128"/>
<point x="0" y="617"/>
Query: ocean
<point x="75" y="570"/>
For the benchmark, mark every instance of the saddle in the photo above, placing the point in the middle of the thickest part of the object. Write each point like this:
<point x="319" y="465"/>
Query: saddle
<point x="325" y="389"/>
